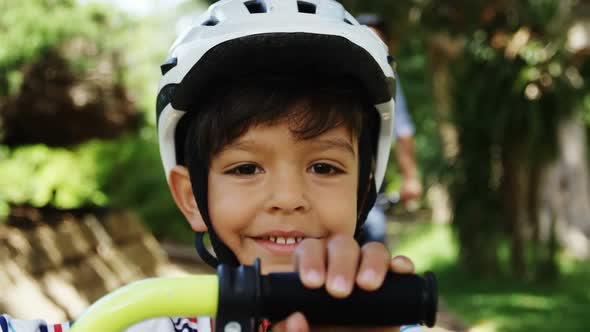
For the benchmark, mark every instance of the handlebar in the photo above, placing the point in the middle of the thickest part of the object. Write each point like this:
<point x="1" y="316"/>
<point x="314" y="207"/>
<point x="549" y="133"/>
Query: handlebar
<point x="240" y="297"/>
<point x="149" y="298"/>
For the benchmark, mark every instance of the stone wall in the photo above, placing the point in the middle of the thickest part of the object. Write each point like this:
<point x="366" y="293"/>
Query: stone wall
<point x="54" y="272"/>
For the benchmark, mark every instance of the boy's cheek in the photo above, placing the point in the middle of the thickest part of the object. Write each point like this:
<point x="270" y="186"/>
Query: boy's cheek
<point x="343" y="223"/>
<point x="338" y="212"/>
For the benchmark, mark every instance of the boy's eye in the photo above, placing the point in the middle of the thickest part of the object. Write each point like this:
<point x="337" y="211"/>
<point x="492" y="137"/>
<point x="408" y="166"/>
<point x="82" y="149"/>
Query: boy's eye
<point x="245" y="169"/>
<point x="323" y="168"/>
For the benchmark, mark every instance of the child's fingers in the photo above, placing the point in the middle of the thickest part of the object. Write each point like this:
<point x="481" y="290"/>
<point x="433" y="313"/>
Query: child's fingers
<point x="402" y="264"/>
<point x="343" y="258"/>
<point x="296" y="322"/>
<point x="310" y="261"/>
<point x="375" y="261"/>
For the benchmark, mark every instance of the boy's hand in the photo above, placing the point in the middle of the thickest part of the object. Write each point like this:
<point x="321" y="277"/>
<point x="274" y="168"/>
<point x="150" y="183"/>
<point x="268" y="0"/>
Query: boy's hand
<point x="339" y="264"/>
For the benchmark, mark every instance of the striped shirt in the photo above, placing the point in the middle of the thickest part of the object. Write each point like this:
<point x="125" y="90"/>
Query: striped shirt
<point x="193" y="324"/>
<point x="184" y="324"/>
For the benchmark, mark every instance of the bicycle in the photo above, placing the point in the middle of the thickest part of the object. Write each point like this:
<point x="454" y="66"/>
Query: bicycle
<point x="240" y="297"/>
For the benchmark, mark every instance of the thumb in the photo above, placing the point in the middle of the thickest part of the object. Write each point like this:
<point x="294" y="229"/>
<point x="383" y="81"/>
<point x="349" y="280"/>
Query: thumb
<point x="296" y="322"/>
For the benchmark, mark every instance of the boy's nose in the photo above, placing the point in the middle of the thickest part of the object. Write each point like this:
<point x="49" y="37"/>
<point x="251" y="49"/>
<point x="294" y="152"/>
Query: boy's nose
<point x="287" y="194"/>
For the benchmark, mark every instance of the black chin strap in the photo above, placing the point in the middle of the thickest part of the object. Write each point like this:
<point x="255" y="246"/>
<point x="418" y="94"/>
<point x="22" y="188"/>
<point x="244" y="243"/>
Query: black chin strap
<point x="199" y="176"/>
<point x="203" y="252"/>
<point x="223" y="253"/>
<point x="367" y="193"/>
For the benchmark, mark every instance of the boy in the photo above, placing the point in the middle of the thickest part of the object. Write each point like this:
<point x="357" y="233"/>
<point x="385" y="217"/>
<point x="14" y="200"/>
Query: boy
<point x="274" y="120"/>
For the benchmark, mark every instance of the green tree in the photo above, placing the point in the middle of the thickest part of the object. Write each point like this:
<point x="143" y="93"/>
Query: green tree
<point x="503" y="81"/>
<point x="61" y="83"/>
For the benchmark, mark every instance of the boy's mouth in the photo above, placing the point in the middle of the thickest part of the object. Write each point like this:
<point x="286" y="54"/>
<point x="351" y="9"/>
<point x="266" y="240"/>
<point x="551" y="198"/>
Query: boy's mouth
<point x="280" y="242"/>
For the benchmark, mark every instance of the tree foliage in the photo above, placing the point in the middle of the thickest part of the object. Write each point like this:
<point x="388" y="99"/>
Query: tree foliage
<point x="58" y="85"/>
<point x="61" y="77"/>
<point x="33" y="28"/>
<point x="80" y="73"/>
<point x="511" y="80"/>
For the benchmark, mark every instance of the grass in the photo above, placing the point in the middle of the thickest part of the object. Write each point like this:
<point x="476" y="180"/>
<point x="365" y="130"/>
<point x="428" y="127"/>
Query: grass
<point x="502" y="304"/>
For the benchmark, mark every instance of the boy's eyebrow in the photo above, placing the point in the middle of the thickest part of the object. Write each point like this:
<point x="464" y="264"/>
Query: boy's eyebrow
<point x="338" y="143"/>
<point x="246" y="145"/>
<point x="323" y="143"/>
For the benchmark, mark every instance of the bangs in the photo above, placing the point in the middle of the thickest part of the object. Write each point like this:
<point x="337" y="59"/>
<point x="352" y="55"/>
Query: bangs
<point x="310" y="106"/>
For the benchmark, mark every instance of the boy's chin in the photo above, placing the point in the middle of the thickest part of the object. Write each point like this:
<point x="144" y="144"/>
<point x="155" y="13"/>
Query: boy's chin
<point x="277" y="268"/>
<point x="271" y="266"/>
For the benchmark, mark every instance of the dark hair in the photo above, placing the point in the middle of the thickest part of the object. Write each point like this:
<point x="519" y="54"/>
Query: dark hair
<point x="310" y="105"/>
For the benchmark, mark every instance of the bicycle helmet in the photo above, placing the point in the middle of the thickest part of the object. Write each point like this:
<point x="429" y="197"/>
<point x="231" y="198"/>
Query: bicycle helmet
<point x="241" y="37"/>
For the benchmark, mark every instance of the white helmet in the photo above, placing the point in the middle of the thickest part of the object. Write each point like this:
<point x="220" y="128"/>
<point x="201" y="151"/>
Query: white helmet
<point x="244" y="36"/>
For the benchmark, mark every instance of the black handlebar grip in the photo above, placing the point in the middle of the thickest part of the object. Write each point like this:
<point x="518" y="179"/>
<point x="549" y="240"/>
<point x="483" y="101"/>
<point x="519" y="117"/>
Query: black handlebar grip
<point x="403" y="299"/>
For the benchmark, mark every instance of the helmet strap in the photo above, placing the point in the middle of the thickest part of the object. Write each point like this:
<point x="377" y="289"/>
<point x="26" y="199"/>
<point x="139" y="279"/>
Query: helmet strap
<point x="199" y="174"/>
<point x="203" y="252"/>
<point x="367" y="193"/>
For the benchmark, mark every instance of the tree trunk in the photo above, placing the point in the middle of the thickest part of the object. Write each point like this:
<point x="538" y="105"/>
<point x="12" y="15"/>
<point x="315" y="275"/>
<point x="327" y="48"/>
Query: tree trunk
<point x="543" y="220"/>
<point x="565" y="192"/>
<point x="442" y="50"/>
<point x="516" y="194"/>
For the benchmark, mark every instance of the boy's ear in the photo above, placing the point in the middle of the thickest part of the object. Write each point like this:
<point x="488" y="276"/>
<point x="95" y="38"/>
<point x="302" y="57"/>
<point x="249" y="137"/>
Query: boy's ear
<point x="182" y="192"/>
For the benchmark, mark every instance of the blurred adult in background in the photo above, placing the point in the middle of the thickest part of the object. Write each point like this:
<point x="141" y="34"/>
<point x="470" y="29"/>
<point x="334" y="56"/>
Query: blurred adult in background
<point x="405" y="151"/>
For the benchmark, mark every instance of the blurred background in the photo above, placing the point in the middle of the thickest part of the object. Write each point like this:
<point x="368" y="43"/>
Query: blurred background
<point x="498" y="91"/>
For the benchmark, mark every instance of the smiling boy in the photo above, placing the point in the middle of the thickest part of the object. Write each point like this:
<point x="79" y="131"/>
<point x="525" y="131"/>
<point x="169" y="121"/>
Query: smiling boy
<point x="274" y="122"/>
<point x="284" y="164"/>
<point x="283" y="179"/>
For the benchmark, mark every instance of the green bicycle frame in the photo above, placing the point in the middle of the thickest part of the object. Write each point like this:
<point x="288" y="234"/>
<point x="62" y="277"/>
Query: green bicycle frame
<point x="158" y="297"/>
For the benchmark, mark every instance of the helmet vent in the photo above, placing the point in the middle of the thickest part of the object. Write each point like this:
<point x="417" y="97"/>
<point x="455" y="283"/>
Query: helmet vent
<point x="348" y="21"/>
<point x="212" y="21"/>
<point x="306" y="7"/>
<point x="255" y="6"/>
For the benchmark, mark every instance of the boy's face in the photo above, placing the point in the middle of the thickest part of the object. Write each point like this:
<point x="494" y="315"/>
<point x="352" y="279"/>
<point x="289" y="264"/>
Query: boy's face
<point x="268" y="190"/>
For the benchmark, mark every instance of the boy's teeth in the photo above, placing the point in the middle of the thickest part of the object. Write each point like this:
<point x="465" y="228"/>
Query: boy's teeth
<point x="285" y="240"/>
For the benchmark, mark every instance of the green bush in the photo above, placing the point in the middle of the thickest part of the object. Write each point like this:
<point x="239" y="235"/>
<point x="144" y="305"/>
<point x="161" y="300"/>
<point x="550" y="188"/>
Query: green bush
<point x="125" y="173"/>
<point x="39" y="176"/>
